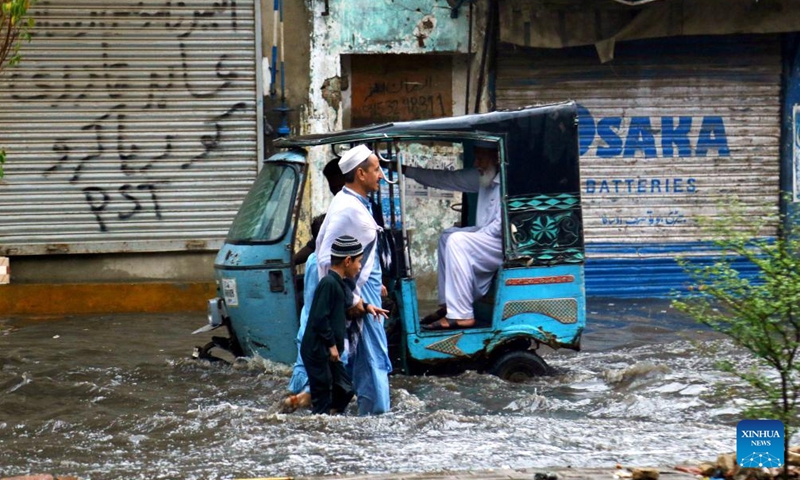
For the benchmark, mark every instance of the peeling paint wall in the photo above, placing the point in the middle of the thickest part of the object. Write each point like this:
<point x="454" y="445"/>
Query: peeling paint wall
<point x="377" y="27"/>
<point x="401" y="26"/>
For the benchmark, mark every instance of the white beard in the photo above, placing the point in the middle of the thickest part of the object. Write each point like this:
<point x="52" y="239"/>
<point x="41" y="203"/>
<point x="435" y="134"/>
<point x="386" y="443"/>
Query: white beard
<point x="487" y="175"/>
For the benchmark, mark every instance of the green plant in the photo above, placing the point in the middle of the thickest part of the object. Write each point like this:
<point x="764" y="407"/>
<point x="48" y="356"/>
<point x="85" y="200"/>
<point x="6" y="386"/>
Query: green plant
<point x="761" y="315"/>
<point x="15" y="26"/>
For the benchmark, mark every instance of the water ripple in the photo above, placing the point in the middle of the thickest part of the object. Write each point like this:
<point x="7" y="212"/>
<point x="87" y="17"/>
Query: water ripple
<point x="120" y="398"/>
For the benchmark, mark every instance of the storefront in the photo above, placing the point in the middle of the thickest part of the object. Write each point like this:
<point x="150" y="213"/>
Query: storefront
<point x="130" y="127"/>
<point x="671" y="130"/>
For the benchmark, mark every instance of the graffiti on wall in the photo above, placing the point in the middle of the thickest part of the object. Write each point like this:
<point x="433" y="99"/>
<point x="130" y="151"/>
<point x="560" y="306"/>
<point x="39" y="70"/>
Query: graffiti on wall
<point x="402" y="98"/>
<point x="132" y="115"/>
<point x="673" y="218"/>
<point x="391" y="88"/>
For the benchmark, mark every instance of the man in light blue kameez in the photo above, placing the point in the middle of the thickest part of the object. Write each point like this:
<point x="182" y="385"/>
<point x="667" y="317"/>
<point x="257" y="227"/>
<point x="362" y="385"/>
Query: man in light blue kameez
<point x="350" y="214"/>
<point x="298" y="385"/>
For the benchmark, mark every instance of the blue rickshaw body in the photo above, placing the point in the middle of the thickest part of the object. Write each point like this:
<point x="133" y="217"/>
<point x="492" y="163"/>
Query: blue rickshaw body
<point x="258" y="332"/>
<point x="256" y="281"/>
<point x="537" y="296"/>
<point x="546" y="305"/>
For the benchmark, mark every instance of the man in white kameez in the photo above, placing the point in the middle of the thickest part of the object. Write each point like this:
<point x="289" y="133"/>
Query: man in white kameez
<point x="470" y="256"/>
<point x="350" y="214"/>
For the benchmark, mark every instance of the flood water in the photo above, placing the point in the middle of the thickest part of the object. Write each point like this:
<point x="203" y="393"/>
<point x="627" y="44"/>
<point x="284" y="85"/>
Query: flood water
<point x="108" y="397"/>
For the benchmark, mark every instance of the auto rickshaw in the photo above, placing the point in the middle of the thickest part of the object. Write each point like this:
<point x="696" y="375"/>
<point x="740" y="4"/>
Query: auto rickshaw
<point x="537" y="296"/>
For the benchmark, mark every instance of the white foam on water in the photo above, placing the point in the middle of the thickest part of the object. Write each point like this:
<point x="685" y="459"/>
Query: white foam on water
<point x="648" y="397"/>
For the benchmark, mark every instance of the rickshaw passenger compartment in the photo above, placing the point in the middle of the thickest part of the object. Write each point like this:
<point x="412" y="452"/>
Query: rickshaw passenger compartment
<point x="536" y="297"/>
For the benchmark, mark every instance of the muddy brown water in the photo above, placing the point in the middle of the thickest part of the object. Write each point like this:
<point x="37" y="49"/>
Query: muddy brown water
<point x="105" y="397"/>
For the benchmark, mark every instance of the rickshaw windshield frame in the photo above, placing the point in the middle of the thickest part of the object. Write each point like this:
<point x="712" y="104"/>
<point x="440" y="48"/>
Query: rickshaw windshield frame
<point x="266" y="212"/>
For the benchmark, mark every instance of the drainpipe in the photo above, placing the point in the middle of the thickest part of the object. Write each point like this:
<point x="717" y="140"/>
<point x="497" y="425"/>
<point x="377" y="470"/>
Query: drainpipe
<point x="487" y="40"/>
<point x="283" y="129"/>
<point x="275" y="16"/>
<point x="469" y="60"/>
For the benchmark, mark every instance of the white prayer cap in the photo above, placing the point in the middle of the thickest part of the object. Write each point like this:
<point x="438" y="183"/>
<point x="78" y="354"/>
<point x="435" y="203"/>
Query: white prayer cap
<point x="353" y="158"/>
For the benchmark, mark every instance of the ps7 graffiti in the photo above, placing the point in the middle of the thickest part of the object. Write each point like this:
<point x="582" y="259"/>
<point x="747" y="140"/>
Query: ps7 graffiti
<point x="134" y="163"/>
<point x="142" y="138"/>
<point x="98" y="199"/>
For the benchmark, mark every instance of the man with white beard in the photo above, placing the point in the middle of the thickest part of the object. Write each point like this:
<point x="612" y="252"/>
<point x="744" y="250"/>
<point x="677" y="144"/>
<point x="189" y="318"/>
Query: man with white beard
<point x="469" y="256"/>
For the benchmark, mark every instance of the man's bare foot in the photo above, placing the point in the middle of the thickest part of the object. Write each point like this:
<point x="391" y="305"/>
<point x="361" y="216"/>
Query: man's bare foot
<point x="303" y="400"/>
<point x="448" y="323"/>
<point x="293" y="402"/>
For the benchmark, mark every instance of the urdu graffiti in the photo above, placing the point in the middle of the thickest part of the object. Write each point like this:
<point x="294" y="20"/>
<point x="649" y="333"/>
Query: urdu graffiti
<point x="650" y="218"/>
<point x="145" y="98"/>
<point x="391" y="88"/>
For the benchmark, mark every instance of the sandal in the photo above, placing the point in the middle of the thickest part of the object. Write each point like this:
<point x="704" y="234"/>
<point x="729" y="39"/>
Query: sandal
<point x="437" y="324"/>
<point x="435" y="316"/>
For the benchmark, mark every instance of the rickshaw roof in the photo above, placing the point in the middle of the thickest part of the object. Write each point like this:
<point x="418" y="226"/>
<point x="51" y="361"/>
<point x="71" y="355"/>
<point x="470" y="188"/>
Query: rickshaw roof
<point x="542" y="137"/>
<point x="514" y="125"/>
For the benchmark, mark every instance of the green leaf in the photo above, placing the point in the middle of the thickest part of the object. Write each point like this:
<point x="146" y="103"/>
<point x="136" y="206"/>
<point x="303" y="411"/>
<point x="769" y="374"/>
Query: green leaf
<point x="761" y="316"/>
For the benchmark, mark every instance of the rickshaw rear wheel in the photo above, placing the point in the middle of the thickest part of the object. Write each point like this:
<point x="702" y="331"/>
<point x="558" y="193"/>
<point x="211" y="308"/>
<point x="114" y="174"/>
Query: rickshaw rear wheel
<point x="519" y="366"/>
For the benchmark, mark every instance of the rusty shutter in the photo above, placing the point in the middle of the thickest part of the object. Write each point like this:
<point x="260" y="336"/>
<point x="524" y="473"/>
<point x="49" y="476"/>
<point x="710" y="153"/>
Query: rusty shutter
<point x="129" y="126"/>
<point x="668" y="130"/>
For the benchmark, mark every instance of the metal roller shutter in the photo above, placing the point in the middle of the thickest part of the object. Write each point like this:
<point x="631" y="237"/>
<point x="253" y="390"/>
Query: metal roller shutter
<point x="668" y="130"/>
<point x="129" y="126"/>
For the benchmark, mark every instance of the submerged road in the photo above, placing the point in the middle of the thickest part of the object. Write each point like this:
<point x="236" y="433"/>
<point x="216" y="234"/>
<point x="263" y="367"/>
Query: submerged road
<point x="106" y="397"/>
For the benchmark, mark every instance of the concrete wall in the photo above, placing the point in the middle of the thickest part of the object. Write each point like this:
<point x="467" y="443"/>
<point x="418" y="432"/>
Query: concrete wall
<point x="88" y="284"/>
<point x="400" y="27"/>
<point x="119" y="268"/>
<point x="316" y="93"/>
